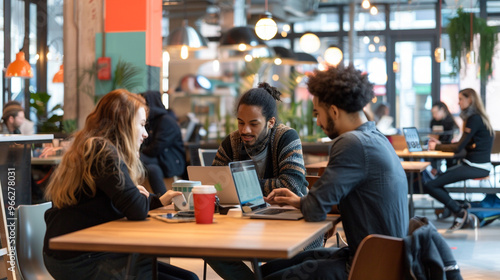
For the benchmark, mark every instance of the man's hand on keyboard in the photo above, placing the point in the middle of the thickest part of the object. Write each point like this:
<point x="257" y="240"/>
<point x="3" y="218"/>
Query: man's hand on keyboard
<point x="282" y="197"/>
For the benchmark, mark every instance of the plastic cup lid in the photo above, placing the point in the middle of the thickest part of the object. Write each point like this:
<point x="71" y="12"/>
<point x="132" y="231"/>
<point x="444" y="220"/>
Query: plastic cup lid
<point x="204" y="189"/>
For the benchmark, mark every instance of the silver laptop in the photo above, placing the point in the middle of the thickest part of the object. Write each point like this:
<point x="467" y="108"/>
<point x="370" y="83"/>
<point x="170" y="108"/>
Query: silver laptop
<point x="251" y="198"/>
<point x="211" y="175"/>
<point x="412" y="139"/>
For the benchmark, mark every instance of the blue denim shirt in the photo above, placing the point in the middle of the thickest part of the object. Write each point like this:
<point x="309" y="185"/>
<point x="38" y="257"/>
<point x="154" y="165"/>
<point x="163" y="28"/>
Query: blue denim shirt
<point x="364" y="177"/>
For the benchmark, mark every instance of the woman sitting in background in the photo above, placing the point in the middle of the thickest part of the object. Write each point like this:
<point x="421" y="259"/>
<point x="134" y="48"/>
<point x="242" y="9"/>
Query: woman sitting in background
<point x="97" y="182"/>
<point x="477" y="140"/>
<point x="442" y="122"/>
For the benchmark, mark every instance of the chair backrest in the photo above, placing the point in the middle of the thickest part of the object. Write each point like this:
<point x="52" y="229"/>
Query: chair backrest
<point x="207" y="156"/>
<point x="398" y="142"/>
<point x="29" y="241"/>
<point x="496" y="143"/>
<point x="378" y="257"/>
<point x="311" y="179"/>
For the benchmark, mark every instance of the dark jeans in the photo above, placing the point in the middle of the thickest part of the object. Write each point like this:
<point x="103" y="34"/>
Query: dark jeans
<point x="154" y="173"/>
<point x="237" y="270"/>
<point x="111" y="266"/>
<point x="457" y="173"/>
<point x="323" y="263"/>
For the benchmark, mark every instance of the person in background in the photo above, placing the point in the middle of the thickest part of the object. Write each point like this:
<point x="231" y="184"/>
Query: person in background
<point x="364" y="177"/>
<point x="96" y="182"/>
<point x="276" y="150"/>
<point x="442" y="122"/>
<point x="383" y="120"/>
<point x="163" y="152"/>
<point x="477" y="141"/>
<point x="12" y="118"/>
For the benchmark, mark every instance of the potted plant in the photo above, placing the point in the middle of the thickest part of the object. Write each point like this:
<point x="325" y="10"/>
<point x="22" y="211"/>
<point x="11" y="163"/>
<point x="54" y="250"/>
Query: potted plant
<point x="459" y="30"/>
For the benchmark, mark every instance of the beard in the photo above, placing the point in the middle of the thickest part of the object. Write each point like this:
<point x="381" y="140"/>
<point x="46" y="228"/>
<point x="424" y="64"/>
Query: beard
<point x="330" y="130"/>
<point x="260" y="140"/>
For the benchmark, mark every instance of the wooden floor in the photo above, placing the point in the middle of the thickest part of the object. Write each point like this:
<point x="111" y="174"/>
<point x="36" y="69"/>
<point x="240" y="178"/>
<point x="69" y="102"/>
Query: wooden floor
<point x="477" y="251"/>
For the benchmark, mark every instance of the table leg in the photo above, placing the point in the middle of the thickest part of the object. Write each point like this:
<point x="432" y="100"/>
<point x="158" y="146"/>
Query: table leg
<point x="256" y="269"/>
<point x="155" y="269"/>
<point x="132" y="260"/>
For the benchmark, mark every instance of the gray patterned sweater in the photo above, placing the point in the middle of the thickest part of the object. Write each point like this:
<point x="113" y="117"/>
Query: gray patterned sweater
<point x="284" y="163"/>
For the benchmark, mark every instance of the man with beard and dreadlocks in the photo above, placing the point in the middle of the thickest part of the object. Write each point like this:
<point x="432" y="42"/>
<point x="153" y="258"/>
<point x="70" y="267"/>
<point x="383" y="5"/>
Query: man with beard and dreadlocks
<point x="364" y="178"/>
<point x="275" y="148"/>
<point x="276" y="151"/>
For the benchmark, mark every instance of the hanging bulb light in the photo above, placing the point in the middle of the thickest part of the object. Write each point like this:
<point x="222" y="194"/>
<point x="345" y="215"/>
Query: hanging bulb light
<point x="184" y="52"/>
<point x="440" y="52"/>
<point x="309" y="42"/>
<point x="333" y="55"/>
<point x="365" y="4"/>
<point x="266" y="28"/>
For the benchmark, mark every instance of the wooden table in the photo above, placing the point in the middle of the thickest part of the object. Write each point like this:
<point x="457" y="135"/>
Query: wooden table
<point x="228" y="237"/>
<point x="425" y="154"/>
<point x="410" y="167"/>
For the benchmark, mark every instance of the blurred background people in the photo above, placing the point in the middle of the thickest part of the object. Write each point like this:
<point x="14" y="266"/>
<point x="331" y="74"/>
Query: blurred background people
<point x="14" y="121"/>
<point x="162" y="153"/>
<point x="442" y="124"/>
<point x="383" y="120"/>
<point x="477" y="141"/>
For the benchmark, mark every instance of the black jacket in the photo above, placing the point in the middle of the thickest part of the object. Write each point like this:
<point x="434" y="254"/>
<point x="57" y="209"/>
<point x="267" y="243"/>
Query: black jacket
<point x="165" y="138"/>
<point x="428" y="256"/>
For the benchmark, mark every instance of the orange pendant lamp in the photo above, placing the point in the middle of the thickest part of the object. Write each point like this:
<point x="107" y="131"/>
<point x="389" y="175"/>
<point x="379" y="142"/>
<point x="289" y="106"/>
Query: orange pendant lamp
<point x="19" y="67"/>
<point x="59" y="75"/>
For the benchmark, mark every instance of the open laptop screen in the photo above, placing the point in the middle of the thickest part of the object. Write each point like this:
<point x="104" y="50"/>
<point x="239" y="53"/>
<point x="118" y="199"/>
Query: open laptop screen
<point x="412" y="139"/>
<point x="247" y="184"/>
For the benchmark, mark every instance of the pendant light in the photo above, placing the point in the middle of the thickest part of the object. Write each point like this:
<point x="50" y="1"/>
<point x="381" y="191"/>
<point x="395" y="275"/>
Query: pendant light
<point x="20" y="67"/>
<point x="440" y="52"/>
<point x="59" y="75"/>
<point x="185" y="38"/>
<point x="333" y="55"/>
<point x="266" y="28"/>
<point x="309" y="42"/>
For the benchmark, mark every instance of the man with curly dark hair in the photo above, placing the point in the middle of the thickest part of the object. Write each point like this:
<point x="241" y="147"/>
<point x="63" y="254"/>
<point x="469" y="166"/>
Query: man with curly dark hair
<point x="364" y="178"/>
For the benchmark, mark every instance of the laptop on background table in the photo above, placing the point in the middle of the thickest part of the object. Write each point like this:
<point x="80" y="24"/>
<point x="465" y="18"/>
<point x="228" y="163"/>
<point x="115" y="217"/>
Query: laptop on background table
<point x="412" y="139"/>
<point x="211" y="175"/>
<point x="251" y="197"/>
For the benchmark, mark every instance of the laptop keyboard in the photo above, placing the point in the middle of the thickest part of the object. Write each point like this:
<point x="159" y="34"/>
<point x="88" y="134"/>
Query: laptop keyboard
<point x="272" y="211"/>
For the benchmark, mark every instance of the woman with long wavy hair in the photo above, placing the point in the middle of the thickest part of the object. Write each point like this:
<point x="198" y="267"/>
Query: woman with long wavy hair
<point x="98" y="181"/>
<point x="477" y="141"/>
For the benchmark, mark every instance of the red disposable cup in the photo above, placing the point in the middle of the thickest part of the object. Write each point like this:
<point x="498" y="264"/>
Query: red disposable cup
<point x="204" y="204"/>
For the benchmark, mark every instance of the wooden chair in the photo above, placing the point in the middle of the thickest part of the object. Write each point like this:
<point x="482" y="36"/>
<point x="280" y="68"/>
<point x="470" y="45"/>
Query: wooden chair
<point x="378" y="257"/>
<point x="311" y="179"/>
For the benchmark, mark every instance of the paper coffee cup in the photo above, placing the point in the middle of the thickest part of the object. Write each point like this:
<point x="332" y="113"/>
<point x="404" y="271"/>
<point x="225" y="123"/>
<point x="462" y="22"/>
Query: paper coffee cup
<point x="204" y="203"/>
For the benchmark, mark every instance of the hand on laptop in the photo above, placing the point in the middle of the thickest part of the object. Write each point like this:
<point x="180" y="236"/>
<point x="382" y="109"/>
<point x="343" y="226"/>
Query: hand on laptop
<point x="282" y="197"/>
